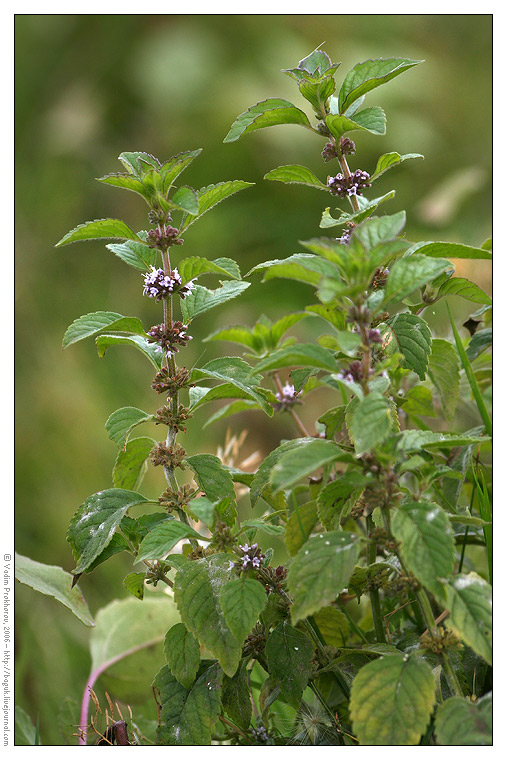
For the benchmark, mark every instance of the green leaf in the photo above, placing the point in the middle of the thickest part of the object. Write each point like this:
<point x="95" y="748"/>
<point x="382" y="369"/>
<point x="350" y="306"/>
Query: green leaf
<point x="126" y="182"/>
<point x="369" y="421"/>
<point x="294" y="465"/>
<point x="115" y="546"/>
<point x="194" y="266"/>
<point x="317" y="93"/>
<point x="212" y="477"/>
<point x="197" y="589"/>
<point x="120" y="423"/>
<point x="452" y="250"/>
<point x="334" y="496"/>
<point x="320" y="571"/>
<point x="289" y="654"/>
<point x="182" y="653"/>
<point x="242" y="601"/>
<point x="333" y="625"/>
<point x="263" y="474"/>
<point x="419" y="400"/>
<point x="130" y="467"/>
<point x="267" y="113"/>
<point x="299" y="526"/>
<point x="138" y="162"/>
<point x="369" y="120"/>
<point x="479" y="342"/>
<point x="92" y="527"/>
<point x="468" y="599"/>
<point x="134" y="583"/>
<point x="304" y="267"/>
<point x="427" y="543"/>
<point x="137" y="255"/>
<point x="236" y="697"/>
<point x="25" y="733"/>
<point x="233" y="408"/>
<point x="94" y="323"/>
<point x="264" y="527"/>
<point x="209" y="196"/>
<point x="305" y="354"/>
<point x="51" y="580"/>
<point x="415" y="440"/>
<point x="391" y="701"/>
<point x="413" y="272"/>
<point x="296" y="174"/>
<point x="236" y="372"/>
<point x="444" y="374"/>
<point x="460" y="286"/>
<point x="368" y="75"/>
<point x="172" y="168"/>
<point x="201" y="300"/>
<point x="459" y="722"/>
<point x="159" y="541"/>
<point x="149" y="350"/>
<point x="100" y="228"/>
<point x="186" y="199"/>
<point x="188" y="716"/>
<point x="125" y="645"/>
<point x="388" y="160"/>
<point x="366" y="209"/>
<point x="413" y="336"/>
<point x="380" y="229"/>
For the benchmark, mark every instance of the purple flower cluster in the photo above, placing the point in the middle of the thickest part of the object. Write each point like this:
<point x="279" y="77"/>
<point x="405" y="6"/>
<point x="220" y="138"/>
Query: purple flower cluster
<point x="169" y="338"/>
<point x="159" y="285"/>
<point x="287" y="398"/>
<point x="252" y="557"/>
<point x="346" y="186"/>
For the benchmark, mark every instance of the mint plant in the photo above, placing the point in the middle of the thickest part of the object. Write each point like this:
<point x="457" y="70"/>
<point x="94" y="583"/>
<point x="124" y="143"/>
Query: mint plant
<point x="373" y="625"/>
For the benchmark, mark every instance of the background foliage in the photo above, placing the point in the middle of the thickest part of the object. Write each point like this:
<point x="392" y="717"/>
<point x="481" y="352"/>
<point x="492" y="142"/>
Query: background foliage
<point x="89" y="87"/>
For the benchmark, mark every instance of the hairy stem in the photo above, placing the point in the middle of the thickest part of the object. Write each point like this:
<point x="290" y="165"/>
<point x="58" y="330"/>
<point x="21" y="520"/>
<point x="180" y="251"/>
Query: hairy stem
<point x="376" y="612"/>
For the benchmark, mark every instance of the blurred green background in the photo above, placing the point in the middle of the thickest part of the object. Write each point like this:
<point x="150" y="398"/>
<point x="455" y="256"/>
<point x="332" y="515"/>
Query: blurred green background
<point x="91" y="86"/>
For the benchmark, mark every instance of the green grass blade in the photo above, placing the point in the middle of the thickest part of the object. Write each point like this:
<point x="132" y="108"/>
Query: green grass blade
<point x="486" y="513"/>
<point x="471" y="378"/>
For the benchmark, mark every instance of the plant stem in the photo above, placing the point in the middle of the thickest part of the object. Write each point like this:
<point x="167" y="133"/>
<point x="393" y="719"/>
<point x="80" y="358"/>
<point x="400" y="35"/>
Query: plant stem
<point x="346" y="173"/>
<point x="376" y="612"/>
<point x="292" y="413"/>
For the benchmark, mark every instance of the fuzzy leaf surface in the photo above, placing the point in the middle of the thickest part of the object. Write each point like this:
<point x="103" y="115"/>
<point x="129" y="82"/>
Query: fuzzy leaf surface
<point x="413" y="272"/>
<point x="460" y="286"/>
<point x="266" y="113"/>
<point x="369" y="421"/>
<point x="368" y="75"/>
<point x="92" y="527"/>
<point x="194" y="266"/>
<point x="305" y="354"/>
<point x="296" y="174"/>
<point x="469" y="604"/>
<point x="236" y="697"/>
<point x="392" y="699"/>
<point x="197" y="589"/>
<point x="320" y="570"/>
<point x="289" y="654"/>
<point x="120" y="423"/>
<point x="242" y="601"/>
<point x="459" y="722"/>
<point x="100" y="228"/>
<point x="130" y="465"/>
<point x="159" y="541"/>
<point x="309" y="456"/>
<point x="299" y="526"/>
<point x="182" y="653"/>
<point x="427" y="543"/>
<point x="149" y="350"/>
<point x="136" y="254"/>
<point x="451" y="250"/>
<point x="262" y="476"/>
<point x="210" y="196"/>
<point x="388" y="160"/>
<point x="201" y="300"/>
<point x="52" y="580"/>
<point x="92" y="324"/>
<point x="444" y="374"/>
<point x="212" y="477"/>
<point x="413" y="336"/>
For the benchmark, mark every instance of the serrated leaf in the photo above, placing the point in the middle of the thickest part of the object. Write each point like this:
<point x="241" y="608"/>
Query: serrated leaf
<point x="289" y="654"/>
<point x="460" y="286"/>
<point x="426" y="543"/>
<point x="334" y="496"/>
<point x="369" y="421"/>
<point x="479" y="342"/>
<point x="419" y="401"/>
<point x="124" y="181"/>
<point x="201" y="300"/>
<point x="459" y="722"/>
<point x="120" y="423"/>
<point x="92" y="527"/>
<point x="366" y="209"/>
<point x="388" y="160"/>
<point x="197" y="589"/>
<point x="380" y="229"/>
<point x="150" y="350"/>
<point x="468" y="599"/>
<point x="415" y="440"/>
<point x="209" y="196"/>
<point x="188" y="716"/>
<point x="451" y="250"/>
<point x="368" y="75"/>
<point x="172" y="168"/>
<point x="369" y="120"/>
<point x="305" y="354"/>
<point x="211" y="476"/>
<point x="236" y="372"/>
<point x="134" y="583"/>
<point x="236" y="697"/>
<point x="296" y="174"/>
<point x="413" y="337"/>
<point x="100" y="228"/>
<point x="299" y="526"/>
<point x="158" y="542"/>
<point x="444" y="373"/>
<point x="320" y="571"/>
<point x="115" y="546"/>
<point x="266" y="113"/>
<point x="194" y="266"/>
<point x="294" y="465"/>
<point x="186" y="199"/>
<point x="262" y="476"/>
<point x="182" y="653"/>
<point x="52" y="580"/>
<point x="304" y="267"/>
<point x="129" y="467"/>
<point x="92" y="324"/>
<point x="391" y="701"/>
<point x="137" y="255"/>
<point x="413" y="272"/>
<point x="242" y="601"/>
<point x="265" y="527"/>
<point x="138" y="162"/>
